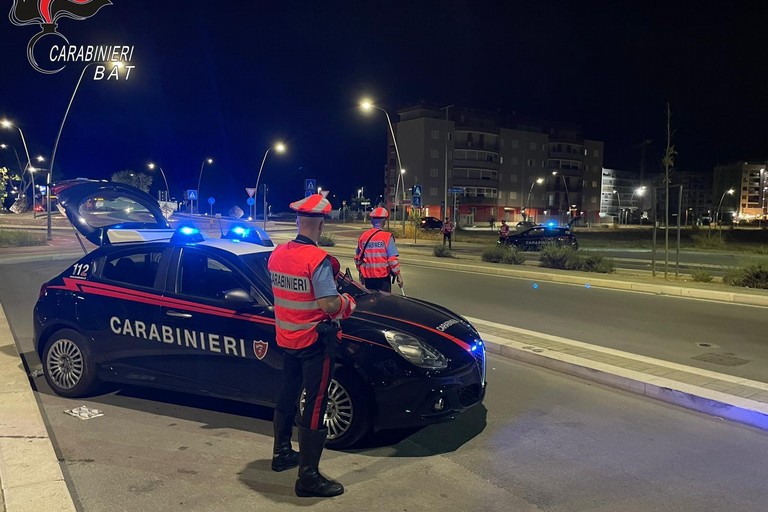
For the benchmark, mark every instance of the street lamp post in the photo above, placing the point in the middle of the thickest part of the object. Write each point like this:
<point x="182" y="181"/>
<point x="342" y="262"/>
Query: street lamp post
<point x="367" y="105"/>
<point x="200" y="177"/>
<point x="565" y="184"/>
<point x="718" y="222"/>
<point x="639" y="191"/>
<point x="618" y="196"/>
<point x="167" y="190"/>
<point x="530" y="191"/>
<point x="397" y="188"/>
<point x="445" y="190"/>
<point x="280" y="148"/>
<point x="7" y="124"/>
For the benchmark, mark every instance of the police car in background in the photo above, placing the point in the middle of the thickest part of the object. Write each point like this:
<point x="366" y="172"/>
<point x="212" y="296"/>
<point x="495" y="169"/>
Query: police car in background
<point x="537" y="237"/>
<point x="171" y="309"/>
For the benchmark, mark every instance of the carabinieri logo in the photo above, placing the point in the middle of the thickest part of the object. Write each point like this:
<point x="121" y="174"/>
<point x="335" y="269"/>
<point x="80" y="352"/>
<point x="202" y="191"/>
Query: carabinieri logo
<point x="46" y="13"/>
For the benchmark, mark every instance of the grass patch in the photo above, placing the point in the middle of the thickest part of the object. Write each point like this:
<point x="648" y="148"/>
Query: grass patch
<point x="502" y="254"/>
<point x="21" y="238"/>
<point x="701" y="276"/>
<point x="754" y="275"/>
<point x="708" y="240"/>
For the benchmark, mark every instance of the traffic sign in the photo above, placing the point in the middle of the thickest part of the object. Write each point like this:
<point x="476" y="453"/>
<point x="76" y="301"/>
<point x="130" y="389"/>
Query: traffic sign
<point x="308" y="192"/>
<point x="310" y="184"/>
<point x="192" y="195"/>
<point x="456" y="190"/>
<point x="416" y="201"/>
<point x="416" y="190"/>
<point x="211" y="200"/>
<point x="251" y="201"/>
<point x="250" y="191"/>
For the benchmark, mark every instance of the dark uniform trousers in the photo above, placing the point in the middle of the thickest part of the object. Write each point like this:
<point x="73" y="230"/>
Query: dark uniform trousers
<point x="312" y="369"/>
<point x="379" y="283"/>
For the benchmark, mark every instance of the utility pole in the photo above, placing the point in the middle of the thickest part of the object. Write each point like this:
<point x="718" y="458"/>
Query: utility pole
<point x="669" y="162"/>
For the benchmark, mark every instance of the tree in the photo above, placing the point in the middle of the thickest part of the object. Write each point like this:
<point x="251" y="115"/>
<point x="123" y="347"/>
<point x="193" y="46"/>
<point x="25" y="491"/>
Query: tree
<point x="140" y="180"/>
<point x="669" y="163"/>
<point x="4" y="177"/>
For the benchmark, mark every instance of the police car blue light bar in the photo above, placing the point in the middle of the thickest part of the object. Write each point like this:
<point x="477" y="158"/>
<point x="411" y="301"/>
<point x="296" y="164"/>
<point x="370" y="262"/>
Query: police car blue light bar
<point x="251" y="234"/>
<point x="187" y="234"/>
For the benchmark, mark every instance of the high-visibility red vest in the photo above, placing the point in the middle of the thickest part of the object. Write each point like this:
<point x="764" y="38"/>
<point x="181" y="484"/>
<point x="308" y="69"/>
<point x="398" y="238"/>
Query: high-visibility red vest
<point x="296" y="310"/>
<point x="448" y="227"/>
<point x="373" y="262"/>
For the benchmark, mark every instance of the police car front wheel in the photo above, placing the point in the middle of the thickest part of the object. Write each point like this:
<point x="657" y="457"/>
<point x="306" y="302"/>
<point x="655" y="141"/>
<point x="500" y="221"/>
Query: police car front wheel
<point x="69" y="367"/>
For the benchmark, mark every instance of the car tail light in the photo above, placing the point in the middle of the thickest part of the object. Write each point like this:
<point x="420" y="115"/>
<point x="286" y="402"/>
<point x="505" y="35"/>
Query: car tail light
<point x="43" y="289"/>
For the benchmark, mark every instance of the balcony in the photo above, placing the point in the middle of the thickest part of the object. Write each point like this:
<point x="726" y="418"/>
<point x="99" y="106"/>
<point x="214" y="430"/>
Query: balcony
<point x="477" y="145"/>
<point x="476" y="164"/>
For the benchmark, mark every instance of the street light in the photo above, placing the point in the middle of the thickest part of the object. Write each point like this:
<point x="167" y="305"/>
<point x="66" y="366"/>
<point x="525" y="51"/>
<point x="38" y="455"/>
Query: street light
<point x="730" y="191"/>
<point x="167" y="190"/>
<point x="565" y="184"/>
<point x="619" y="198"/>
<point x="5" y="123"/>
<point x="445" y="190"/>
<point x="638" y="191"/>
<point x="528" y="200"/>
<point x="200" y="177"/>
<point x="397" y="187"/>
<point x="367" y="105"/>
<point x="280" y="148"/>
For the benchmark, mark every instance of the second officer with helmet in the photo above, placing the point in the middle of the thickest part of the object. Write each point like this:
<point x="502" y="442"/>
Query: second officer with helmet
<point x="376" y="255"/>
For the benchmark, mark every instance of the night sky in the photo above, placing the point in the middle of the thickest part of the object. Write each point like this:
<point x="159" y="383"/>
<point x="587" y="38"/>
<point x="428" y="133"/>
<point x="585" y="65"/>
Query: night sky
<point x="227" y="78"/>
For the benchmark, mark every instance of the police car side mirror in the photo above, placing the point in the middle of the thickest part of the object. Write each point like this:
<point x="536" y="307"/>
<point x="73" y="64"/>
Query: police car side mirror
<point x="238" y="296"/>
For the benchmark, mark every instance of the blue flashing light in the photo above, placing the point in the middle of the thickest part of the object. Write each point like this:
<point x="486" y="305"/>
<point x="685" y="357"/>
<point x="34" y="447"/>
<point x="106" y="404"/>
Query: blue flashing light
<point x="535" y="285"/>
<point x="587" y="285"/>
<point x="252" y="234"/>
<point x="551" y="224"/>
<point x="187" y="234"/>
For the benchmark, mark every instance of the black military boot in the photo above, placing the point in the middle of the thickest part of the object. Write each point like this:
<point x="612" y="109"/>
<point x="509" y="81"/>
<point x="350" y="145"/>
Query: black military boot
<point x="283" y="456"/>
<point x="310" y="481"/>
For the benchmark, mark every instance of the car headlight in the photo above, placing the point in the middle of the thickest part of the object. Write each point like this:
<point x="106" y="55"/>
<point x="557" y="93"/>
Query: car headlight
<point x="415" y="351"/>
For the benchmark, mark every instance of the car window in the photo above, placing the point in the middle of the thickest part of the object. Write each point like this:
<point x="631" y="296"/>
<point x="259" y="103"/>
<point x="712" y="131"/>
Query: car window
<point x="110" y="208"/>
<point x="258" y="265"/>
<point x="136" y="267"/>
<point x="206" y="276"/>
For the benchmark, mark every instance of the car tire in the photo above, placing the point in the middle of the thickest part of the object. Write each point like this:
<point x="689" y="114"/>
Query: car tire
<point x="68" y="365"/>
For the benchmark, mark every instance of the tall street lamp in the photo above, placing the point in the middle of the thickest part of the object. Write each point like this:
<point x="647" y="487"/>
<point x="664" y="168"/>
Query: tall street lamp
<point x="618" y="196"/>
<point x="367" y="105"/>
<point x="280" y="148"/>
<point x="200" y="177"/>
<point x="397" y="187"/>
<point x="730" y="191"/>
<point x="445" y="189"/>
<point x="5" y="123"/>
<point x="638" y="191"/>
<point x="167" y="190"/>
<point x="565" y="184"/>
<point x="528" y="201"/>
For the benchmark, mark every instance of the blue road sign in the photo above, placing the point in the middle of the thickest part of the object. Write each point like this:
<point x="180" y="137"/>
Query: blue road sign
<point x="211" y="200"/>
<point x="456" y="190"/>
<point x="416" y="190"/>
<point x="251" y="201"/>
<point x="308" y="193"/>
<point x="192" y="195"/>
<point x="310" y="184"/>
<point x="416" y="201"/>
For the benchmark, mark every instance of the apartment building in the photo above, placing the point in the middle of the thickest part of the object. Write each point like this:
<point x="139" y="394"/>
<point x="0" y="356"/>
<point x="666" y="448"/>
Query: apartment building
<point x="750" y="184"/>
<point x="486" y="166"/>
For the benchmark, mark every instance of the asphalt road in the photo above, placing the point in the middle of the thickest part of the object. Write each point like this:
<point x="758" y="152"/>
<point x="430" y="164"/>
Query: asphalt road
<point x="542" y="441"/>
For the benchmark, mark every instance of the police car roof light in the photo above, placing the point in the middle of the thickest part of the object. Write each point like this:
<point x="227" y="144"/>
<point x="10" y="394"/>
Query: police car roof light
<point x="252" y="234"/>
<point x="187" y="234"/>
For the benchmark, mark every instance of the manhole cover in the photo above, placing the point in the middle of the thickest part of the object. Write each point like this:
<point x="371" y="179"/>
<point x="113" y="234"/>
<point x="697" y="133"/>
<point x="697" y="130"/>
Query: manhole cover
<point x="721" y="359"/>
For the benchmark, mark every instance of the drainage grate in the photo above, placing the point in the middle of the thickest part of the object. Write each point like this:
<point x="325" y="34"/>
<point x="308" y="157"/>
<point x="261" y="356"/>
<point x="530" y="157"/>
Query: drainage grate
<point x="721" y="359"/>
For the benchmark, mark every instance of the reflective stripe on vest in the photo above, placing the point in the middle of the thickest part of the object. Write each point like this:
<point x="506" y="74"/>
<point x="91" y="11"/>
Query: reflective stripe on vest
<point x="375" y="262"/>
<point x="297" y="313"/>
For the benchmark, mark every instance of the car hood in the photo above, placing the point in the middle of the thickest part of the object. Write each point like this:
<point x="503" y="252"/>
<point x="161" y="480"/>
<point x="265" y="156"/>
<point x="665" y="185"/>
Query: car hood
<point x="94" y="207"/>
<point x="421" y="319"/>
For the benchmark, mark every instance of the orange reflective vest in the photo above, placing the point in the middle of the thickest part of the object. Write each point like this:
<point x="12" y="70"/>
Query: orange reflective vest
<point x="297" y="313"/>
<point x="372" y="260"/>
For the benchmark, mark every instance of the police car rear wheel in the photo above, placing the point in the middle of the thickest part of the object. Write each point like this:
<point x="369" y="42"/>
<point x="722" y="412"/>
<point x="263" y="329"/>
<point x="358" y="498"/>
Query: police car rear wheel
<point x="69" y="368"/>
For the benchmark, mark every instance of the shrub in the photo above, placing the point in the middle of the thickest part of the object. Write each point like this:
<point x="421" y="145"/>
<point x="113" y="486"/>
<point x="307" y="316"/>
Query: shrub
<point x="326" y="241"/>
<point x="751" y="276"/>
<point x="565" y="258"/>
<point x="596" y="263"/>
<point x="512" y="256"/>
<point x="20" y="238"/>
<point x="494" y="254"/>
<point x="556" y="257"/>
<point x="701" y="276"/>
<point x="442" y="251"/>
<point x="708" y="239"/>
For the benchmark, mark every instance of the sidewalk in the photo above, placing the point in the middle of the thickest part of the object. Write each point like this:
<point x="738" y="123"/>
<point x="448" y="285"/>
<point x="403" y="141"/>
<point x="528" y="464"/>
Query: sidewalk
<point x="31" y="476"/>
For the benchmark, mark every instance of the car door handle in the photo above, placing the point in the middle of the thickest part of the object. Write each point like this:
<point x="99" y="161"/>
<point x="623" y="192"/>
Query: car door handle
<point x="178" y="314"/>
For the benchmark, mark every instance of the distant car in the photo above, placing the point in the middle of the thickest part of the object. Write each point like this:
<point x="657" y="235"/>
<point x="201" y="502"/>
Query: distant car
<point x="533" y="239"/>
<point x="431" y="223"/>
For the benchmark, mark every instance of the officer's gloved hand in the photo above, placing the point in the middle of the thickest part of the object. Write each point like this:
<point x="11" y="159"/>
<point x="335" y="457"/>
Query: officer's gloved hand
<point x="399" y="280"/>
<point x="348" y="305"/>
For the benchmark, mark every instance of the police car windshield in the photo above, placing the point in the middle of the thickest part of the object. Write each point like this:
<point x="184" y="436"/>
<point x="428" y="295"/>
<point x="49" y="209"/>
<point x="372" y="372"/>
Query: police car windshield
<point x="257" y="262"/>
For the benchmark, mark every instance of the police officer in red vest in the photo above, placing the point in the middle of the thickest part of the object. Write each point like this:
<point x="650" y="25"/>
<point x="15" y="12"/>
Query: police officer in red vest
<point x="307" y="304"/>
<point x="376" y="255"/>
<point x="503" y="231"/>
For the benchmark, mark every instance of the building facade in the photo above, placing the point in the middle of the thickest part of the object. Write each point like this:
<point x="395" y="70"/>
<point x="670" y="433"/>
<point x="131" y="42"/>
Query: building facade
<point x="486" y="166"/>
<point x="750" y="198"/>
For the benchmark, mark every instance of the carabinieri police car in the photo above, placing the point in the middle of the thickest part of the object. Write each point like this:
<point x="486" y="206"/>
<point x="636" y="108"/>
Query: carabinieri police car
<point x="169" y="308"/>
